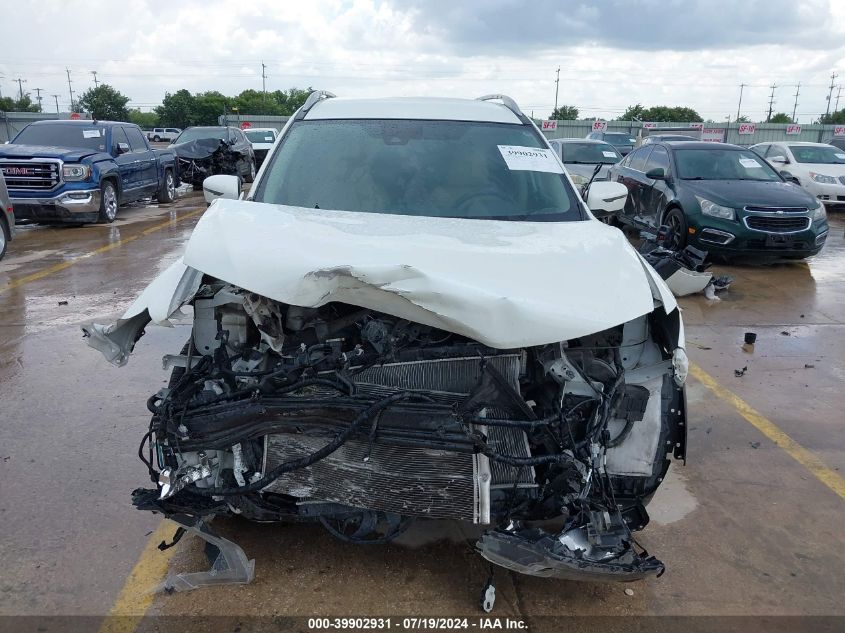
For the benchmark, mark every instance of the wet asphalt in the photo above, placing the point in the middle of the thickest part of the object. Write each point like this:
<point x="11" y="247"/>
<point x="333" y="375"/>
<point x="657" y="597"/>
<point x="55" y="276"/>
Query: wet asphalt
<point x="744" y="528"/>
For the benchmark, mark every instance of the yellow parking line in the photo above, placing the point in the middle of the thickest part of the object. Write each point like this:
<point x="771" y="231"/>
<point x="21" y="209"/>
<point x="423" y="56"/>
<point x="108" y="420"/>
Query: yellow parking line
<point x="768" y="428"/>
<point x="103" y="249"/>
<point x="137" y="593"/>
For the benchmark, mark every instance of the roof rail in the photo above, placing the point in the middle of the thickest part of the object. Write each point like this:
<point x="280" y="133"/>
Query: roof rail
<point x="311" y="101"/>
<point x="509" y="103"/>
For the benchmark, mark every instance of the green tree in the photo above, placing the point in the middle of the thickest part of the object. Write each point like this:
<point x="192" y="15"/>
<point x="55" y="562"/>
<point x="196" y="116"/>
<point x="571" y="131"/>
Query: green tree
<point x="105" y="103"/>
<point x="837" y="117"/>
<point x="633" y="112"/>
<point x="177" y="109"/>
<point x="780" y="117"/>
<point x="208" y="106"/>
<point x="290" y="100"/>
<point x="24" y="104"/>
<point x="143" y="120"/>
<point x="565" y="113"/>
<point x="742" y="119"/>
<point x="256" y="102"/>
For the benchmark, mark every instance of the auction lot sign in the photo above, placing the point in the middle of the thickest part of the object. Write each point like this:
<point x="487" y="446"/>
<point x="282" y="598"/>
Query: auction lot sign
<point x="747" y="128"/>
<point x="793" y="128"/>
<point x="599" y="126"/>
<point x="549" y="126"/>
<point x="712" y="135"/>
<point x="839" y="130"/>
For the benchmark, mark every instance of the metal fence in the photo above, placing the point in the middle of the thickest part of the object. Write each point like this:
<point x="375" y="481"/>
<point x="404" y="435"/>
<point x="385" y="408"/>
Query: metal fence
<point x="764" y="132"/>
<point x="254" y="120"/>
<point x="13" y="122"/>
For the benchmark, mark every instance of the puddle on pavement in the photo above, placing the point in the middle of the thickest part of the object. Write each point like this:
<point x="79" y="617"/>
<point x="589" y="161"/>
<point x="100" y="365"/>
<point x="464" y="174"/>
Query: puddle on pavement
<point x="673" y="500"/>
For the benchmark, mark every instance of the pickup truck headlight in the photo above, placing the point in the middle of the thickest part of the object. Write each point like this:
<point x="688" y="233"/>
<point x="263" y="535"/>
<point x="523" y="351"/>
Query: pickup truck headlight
<point x="73" y="173"/>
<point x="823" y="178"/>
<point x="819" y="213"/>
<point x="708" y="207"/>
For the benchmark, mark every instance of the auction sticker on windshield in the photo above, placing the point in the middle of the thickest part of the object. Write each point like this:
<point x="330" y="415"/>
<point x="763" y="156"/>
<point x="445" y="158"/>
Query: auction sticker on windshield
<point x="90" y="133"/>
<point x="520" y="158"/>
<point x="609" y="154"/>
<point x="749" y="162"/>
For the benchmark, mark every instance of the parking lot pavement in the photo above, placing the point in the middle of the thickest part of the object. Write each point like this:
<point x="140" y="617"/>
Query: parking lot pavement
<point x="751" y="525"/>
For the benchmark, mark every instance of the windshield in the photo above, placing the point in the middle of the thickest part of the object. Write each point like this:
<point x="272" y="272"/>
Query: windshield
<point x="261" y="136"/>
<point x="619" y="139"/>
<point x="428" y="168"/>
<point x="589" y="153"/>
<point x="195" y="133"/>
<point x="818" y="154"/>
<point x="722" y="164"/>
<point x="58" y="135"/>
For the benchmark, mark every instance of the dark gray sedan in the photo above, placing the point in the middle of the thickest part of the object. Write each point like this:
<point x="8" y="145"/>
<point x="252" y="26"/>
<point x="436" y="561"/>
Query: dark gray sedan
<point x="7" y="217"/>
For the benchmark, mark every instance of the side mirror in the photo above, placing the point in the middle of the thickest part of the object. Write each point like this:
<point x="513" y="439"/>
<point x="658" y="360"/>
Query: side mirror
<point x="657" y="173"/>
<point x="606" y="197"/>
<point x="778" y="159"/>
<point x="221" y="186"/>
<point x="121" y="148"/>
<point x="788" y="177"/>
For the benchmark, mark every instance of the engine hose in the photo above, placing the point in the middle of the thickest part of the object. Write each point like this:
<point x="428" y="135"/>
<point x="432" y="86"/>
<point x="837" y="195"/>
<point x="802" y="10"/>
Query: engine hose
<point x="296" y="464"/>
<point x="518" y="424"/>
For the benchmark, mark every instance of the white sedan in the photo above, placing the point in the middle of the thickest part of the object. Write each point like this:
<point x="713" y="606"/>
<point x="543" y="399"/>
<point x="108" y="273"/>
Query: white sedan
<point x="818" y="167"/>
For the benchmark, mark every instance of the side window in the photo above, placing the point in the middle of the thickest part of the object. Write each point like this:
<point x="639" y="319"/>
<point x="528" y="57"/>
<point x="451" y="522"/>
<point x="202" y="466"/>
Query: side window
<point x="118" y="136"/>
<point x="136" y="139"/>
<point x="761" y="150"/>
<point x="775" y="150"/>
<point x="659" y="158"/>
<point x="638" y="158"/>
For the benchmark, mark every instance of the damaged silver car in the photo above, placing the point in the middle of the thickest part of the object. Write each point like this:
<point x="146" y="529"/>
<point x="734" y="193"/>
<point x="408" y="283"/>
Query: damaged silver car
<point x="412" y="316"/>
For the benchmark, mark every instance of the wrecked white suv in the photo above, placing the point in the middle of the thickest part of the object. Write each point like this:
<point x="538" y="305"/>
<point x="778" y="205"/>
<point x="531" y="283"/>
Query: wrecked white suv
<point x="413" y="315"/>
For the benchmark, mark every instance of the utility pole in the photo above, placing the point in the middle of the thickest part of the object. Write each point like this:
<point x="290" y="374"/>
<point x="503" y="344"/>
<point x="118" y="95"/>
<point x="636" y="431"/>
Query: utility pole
<point x="771" y="102"/>
<point x="56" y="97"/>
<point x="38" y="97"/>
<point x="557" y="85"/>
<point x="96" y="83"/>
<point x="795" y="105"/>
<point x="830" y="94"/>
<point x="838" y="92"/>
<point x="739" y="106"/>
<point x="20" y="85"/>
<point x="69" y="88"/>
<point x="264" y="84"/>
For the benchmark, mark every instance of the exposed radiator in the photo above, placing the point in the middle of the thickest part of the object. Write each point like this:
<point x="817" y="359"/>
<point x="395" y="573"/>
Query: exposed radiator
<point x="409" y="481"/>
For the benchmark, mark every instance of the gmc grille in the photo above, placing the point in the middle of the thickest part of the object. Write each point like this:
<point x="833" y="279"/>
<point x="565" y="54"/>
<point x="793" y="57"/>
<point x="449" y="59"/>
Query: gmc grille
<point x="30" y="175"/>
<point x="778" y="224"/>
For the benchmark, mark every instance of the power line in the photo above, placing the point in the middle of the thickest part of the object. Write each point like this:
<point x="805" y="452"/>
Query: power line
<point x="20" y="86"/>
<point x="830" y="94"/>
<point x="771" y="102"/>
<point x="69" y="88"/>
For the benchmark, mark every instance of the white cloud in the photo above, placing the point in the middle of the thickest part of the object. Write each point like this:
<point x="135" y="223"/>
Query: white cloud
<point x="613" y="54"/>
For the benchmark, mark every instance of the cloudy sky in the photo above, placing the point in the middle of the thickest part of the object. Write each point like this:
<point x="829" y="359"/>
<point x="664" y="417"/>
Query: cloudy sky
<point x="611" y="53"/>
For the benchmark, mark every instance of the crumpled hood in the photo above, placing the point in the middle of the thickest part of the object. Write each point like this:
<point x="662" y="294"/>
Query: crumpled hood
<point x="505" y="284"/>
<point x="68" y="154"/>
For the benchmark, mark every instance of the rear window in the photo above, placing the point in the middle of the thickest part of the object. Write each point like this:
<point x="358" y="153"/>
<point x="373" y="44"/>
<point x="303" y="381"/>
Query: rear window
<point x="619" y="139"/>
<point x="260" y="136"/>
<point x="589" y="153"/>
<point x="426" y="168"/>
<point x="74" y="136"/>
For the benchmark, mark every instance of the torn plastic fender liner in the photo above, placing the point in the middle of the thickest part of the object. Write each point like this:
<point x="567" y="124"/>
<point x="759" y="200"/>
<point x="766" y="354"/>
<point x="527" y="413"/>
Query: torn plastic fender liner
<point x="545" y="556"/>
<point x="157" y="303"/>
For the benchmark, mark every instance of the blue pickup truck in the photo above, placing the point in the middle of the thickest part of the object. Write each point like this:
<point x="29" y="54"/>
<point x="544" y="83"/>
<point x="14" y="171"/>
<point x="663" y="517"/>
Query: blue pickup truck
<point x="82" y="171"/>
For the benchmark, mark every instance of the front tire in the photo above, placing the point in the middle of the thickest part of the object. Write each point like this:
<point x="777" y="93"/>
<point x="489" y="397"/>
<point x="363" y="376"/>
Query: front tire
<point x="157" y="139"/>
<point x="677" y="221"/>
<point x="108" y="203"/>
<point x="4" y="239"/>
<point x="167" y="192"/>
